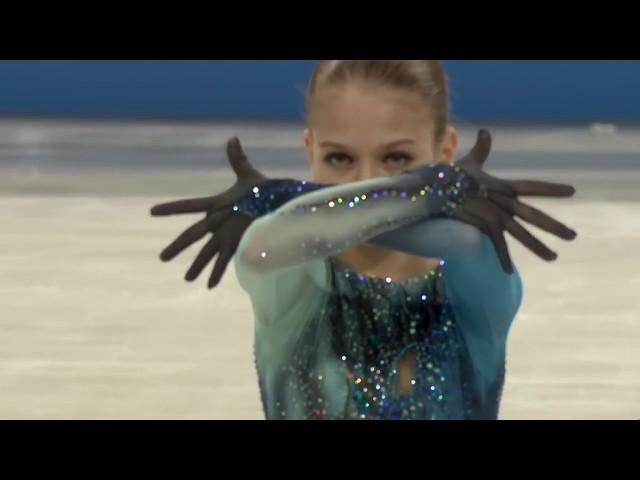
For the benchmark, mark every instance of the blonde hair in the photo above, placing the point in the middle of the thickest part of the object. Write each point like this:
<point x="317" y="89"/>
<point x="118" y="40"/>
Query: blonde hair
<point x="424" y="77"/>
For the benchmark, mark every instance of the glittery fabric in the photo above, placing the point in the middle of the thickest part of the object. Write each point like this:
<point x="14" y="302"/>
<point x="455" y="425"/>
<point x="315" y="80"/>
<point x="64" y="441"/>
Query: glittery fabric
<point x="357" y="213"/>
<point x="375" y="324"/>
<point x="440" y="187"/>
<point x="271" y="195"/>
<point x="330" y="344"/>
<point x="445" y="187"/>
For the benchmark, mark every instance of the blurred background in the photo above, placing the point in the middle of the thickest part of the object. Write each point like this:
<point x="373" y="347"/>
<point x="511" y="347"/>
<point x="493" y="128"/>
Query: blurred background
<point x="524" y="91"/>
<point x="95" y="326"/>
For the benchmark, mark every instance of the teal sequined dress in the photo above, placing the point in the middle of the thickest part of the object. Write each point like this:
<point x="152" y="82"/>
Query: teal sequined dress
<point x="374" y="325"/>
<point x="332" y="344"/>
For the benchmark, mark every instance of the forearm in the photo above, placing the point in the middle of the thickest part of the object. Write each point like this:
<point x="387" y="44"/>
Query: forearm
<point x="324" y="221"/>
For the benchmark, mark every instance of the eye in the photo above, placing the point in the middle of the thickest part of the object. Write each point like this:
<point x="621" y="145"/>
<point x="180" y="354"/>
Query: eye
<point x="339" y="160"/>
<point x="398" y="159"/>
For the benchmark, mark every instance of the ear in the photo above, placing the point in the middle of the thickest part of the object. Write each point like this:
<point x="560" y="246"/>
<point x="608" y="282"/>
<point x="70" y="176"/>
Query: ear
<point x="308" y="145"/>
<point x="449" y="146"/>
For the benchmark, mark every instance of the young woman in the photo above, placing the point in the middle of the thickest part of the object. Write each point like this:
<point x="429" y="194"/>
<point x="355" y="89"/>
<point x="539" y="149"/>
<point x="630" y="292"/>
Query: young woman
<point x="384" y="289"/>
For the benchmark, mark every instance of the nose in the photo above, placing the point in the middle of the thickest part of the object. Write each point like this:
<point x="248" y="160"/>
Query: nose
<point x="368" y="168"/>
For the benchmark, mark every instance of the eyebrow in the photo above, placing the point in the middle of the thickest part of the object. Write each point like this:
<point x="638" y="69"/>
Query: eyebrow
<point x="387" y="146"/>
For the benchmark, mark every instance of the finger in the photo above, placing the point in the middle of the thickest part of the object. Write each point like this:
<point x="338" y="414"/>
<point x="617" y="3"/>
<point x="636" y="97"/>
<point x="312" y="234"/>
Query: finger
<point x="204" y="257"/>
<point x="497" y="236"/>
<point x="184" y="240"/>
<point x="494" y="219"/>
<point x="478" y="155"/>
<point x="192" y="205"/>
<point x="234" y="230"/>
<point x="533" y="216"/>
<point x="220" y="266"/>
<point x="529" y="241"/>
<point x="534" y="188"/>
<point x="494" y="234"/>
<point x="498" y="185"/>
<point x="238" y="160"/>
<point x="192" y="234"/>
<point x="472" y="220"/>
<point x="481" y="150"/>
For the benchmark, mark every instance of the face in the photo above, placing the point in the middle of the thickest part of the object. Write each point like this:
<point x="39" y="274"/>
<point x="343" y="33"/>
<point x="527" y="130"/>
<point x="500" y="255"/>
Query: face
<point x="359" y="131"/>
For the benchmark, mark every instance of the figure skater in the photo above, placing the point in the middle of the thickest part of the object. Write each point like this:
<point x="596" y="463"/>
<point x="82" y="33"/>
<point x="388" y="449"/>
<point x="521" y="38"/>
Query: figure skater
<point x="384" y="289"/>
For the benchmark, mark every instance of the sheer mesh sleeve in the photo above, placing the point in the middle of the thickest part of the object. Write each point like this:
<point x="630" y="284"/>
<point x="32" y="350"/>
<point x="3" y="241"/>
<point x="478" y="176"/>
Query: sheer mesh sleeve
<point x="326" y="221"/>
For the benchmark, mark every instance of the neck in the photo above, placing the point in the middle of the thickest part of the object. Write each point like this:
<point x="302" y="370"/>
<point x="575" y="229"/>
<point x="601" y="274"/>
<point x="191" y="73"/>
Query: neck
<point x="375" y="261"/>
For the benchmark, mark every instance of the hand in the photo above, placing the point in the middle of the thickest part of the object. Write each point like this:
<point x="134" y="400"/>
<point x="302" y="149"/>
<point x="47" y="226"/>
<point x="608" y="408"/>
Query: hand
<point x="226" y="225"/>
<point x="495" y="214"/>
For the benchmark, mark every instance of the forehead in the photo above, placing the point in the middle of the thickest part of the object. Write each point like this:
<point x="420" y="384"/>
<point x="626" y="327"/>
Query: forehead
<point x="365" y="114"/>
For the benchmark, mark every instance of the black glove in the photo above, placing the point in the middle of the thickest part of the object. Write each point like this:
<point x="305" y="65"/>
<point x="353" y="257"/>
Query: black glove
<point x="494" y="212"/>
<point x="226" y="225"/>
